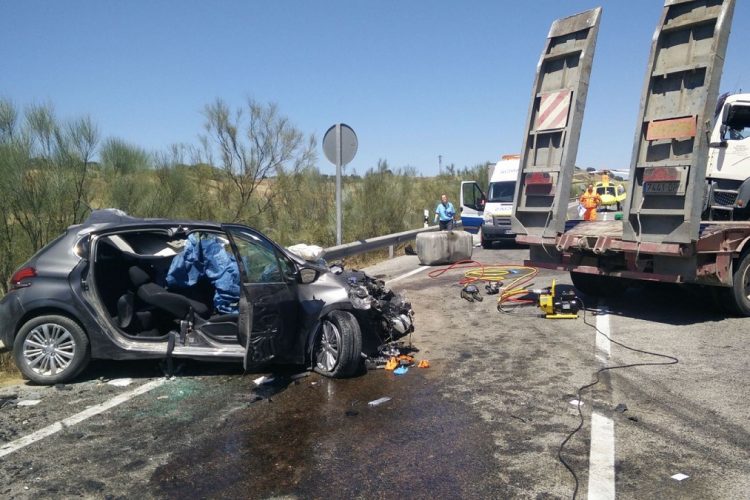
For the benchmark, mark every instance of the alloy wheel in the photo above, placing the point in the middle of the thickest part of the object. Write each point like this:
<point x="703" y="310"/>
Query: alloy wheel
<point x="49" y="349"/>
<point x="328" y="349"/>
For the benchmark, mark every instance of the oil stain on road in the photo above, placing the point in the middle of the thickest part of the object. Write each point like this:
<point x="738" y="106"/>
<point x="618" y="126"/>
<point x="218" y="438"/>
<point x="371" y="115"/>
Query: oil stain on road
<point x="318" y="437"/>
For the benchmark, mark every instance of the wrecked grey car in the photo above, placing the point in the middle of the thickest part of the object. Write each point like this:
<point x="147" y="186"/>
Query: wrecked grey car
<point x="118" y="287"/>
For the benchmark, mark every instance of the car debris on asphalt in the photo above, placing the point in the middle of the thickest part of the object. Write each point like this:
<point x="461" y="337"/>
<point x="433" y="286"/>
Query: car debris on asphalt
<point x="379" y="401"/>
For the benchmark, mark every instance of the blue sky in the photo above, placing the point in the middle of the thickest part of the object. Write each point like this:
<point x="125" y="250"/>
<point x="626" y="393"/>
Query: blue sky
<point x="414" y="79"/>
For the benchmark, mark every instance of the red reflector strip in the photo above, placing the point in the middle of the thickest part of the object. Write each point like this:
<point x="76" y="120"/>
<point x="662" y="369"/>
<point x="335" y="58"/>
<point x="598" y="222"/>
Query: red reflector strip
<point x="673" y="128"/>
<point x="536" y="178"/>
<point x="661" y="174"/>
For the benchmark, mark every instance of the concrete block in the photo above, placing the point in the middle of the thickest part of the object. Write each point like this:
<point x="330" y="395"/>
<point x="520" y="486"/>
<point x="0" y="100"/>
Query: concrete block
<point x="444" y="247"/>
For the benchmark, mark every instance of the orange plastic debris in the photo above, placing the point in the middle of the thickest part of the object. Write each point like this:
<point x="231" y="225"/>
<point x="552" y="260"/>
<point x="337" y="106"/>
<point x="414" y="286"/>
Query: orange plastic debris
<point x="406" y="358"/>
<point x="423" y="364"/>
<point x="392" y="364"/>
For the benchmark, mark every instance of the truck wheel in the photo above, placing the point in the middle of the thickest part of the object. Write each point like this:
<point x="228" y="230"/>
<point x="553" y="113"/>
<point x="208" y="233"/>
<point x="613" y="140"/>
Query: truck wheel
<point x="486" y="244"/>
<point x="739" y="294"/>
<point x="595" y="285"/>
<point x="338" y="346"/>
<point x="51" y="349"/>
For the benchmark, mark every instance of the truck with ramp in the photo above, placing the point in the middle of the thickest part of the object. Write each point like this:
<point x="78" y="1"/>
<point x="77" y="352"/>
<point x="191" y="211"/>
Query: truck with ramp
<point x="685" y="218"/>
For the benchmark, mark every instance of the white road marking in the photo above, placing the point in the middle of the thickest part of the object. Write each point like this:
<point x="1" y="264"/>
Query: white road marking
<point x="602" y="450"/>
<point x="602" y="458"/>
<point x="19" y="443"/>
<point x="410" y="273"/>
<point x="602" y="342"/>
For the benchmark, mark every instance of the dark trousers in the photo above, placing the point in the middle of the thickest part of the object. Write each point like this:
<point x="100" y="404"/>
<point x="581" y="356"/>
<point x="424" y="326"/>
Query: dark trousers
<point x="446" y="225"/>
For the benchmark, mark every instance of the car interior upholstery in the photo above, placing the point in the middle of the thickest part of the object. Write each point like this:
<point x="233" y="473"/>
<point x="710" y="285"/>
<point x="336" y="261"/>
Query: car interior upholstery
<point x="129" y="272"/>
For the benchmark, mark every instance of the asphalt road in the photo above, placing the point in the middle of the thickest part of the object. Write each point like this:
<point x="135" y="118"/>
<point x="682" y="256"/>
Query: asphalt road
<point x="486" y="420"/>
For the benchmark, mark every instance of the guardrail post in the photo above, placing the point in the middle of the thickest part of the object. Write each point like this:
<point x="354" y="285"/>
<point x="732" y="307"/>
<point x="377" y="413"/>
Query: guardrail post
<point x="390" y="251"/>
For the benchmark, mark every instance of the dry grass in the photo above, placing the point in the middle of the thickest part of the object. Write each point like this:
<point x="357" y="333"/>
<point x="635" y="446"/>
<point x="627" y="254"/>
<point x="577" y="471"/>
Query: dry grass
<point x="8" y="371"/>
<point x="363" y="260"/>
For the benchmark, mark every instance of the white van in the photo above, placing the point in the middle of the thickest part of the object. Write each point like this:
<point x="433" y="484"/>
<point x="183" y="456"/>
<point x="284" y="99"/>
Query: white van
<point x="490" y="214"/>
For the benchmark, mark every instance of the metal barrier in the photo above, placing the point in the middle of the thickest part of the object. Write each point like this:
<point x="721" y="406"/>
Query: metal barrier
<point x="388" y="240"/>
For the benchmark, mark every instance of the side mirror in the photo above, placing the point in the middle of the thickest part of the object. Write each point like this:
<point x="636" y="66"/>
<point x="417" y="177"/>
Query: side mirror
<point x="307" y="275"/>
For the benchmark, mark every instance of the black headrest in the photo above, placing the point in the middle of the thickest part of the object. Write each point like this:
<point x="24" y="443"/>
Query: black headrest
<point x="138" y="276"/>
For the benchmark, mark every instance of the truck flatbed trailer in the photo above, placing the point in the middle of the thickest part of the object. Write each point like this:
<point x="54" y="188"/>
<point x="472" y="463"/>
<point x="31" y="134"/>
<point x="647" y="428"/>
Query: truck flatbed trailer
<point x="668" y="231"/>
<point x="597" y="248"/>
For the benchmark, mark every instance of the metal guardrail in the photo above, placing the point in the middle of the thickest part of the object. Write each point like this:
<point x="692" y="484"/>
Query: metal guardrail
<point x="388" y="240"/>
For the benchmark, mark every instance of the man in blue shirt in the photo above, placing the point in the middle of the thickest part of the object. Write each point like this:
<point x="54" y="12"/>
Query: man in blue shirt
<point x="445" y="212"/>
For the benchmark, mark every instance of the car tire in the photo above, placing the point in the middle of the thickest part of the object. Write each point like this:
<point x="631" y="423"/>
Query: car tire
<point x="594" y="285"/>
<point x="737" y="298"/>
<point x="337" y="350"/>
<point x="51" y="349"/>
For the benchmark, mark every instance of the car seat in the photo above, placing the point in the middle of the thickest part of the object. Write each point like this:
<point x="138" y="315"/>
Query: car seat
<point x="154" y="295"/>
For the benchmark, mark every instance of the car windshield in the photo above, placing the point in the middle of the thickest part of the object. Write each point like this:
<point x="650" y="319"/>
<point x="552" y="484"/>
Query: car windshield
<point x="501" y="191"/>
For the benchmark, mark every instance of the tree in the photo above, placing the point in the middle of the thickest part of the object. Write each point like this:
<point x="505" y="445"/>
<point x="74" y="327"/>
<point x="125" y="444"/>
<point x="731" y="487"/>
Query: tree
<point x="44" y="178"/>
<point x="380" y="203"/>
<point x="253" y="144"/>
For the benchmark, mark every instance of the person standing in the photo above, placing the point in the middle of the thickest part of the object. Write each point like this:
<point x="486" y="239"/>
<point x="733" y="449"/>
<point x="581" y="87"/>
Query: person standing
<point x="590" y="202"/>
<point x="445" y="212"/>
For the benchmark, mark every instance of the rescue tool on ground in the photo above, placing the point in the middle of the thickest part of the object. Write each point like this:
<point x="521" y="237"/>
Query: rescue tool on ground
<point x="564" y="305"/>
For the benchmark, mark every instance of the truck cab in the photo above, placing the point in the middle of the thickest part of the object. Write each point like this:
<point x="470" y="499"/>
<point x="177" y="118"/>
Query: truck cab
<point x="490" y="213"/>
<point x="728" y="168"/>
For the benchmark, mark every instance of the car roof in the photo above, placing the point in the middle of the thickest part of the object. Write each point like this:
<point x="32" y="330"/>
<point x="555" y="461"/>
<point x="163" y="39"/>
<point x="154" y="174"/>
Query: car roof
<point x="105" y="219"/>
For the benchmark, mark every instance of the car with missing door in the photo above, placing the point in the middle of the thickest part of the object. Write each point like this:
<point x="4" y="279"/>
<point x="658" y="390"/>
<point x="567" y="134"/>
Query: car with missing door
<point x="119" y="287"/>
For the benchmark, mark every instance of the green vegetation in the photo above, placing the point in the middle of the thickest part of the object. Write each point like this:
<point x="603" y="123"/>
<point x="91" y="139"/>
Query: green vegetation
<point x="250" y="165"/>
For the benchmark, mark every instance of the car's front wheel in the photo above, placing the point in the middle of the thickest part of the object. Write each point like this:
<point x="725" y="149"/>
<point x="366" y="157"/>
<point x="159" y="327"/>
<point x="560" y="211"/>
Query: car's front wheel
<point x="338" y="346"/>
<point x="51" y="349"/>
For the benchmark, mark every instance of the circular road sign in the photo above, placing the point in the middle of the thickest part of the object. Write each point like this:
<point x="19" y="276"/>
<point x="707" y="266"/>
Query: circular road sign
<point x="348" y="144"/>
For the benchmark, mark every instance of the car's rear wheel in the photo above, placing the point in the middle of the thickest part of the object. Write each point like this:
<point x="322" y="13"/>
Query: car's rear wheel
<point x="338" y="346"/>
<point x="51" y="349"/>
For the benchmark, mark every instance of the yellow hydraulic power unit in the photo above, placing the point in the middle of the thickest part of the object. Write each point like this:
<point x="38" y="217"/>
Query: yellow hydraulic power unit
<point x="563" y="306"/>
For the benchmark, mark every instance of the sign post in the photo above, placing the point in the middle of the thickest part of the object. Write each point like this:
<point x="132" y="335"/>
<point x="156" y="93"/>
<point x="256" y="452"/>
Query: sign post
<point x="340" y="146"/>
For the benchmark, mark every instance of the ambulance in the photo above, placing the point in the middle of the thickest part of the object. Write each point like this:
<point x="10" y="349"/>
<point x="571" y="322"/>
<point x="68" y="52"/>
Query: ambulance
<point x="490" y="214"/>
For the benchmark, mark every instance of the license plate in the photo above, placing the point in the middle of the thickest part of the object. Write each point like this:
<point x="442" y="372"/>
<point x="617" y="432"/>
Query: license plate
<point x="668" y="188"/>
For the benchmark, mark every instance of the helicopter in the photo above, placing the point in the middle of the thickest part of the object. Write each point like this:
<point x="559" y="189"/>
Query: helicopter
<point x="611" y="194"/>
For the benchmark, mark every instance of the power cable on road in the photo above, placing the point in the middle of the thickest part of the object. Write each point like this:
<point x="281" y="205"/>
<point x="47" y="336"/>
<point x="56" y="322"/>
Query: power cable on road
<point x="672" y="360"/>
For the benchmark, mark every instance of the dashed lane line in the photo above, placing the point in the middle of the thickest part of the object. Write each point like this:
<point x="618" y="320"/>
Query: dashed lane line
<point x="410" y="273"/>
<point x="602" y="458"/>
<point x="602" y="449"/>
<point x="602" y="342"/>
<point x="24" y="441"/>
